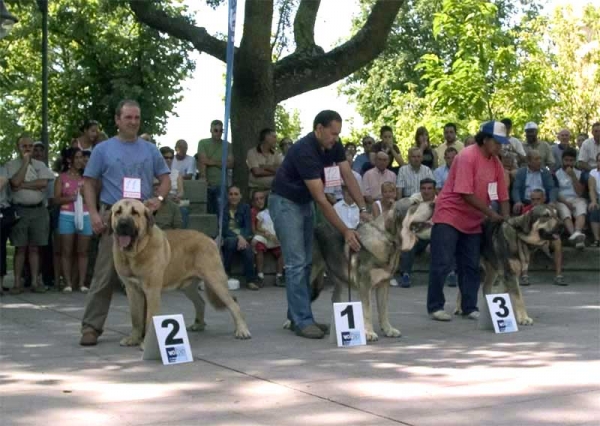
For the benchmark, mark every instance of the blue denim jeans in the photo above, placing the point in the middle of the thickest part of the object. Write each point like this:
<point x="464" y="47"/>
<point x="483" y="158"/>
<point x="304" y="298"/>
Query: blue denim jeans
<point x="213" y="196"/>
<point x="448" y="243"/>
<point x="294" y="228"/>
<point x="229" y="251"/>
<point x="408" y="258"/>
<point x="185" y="216"/>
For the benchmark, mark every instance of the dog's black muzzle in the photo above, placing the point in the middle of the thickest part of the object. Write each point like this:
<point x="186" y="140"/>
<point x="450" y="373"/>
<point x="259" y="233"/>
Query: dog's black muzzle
<point x="552" y="235"/>
<point x="126" y="232"/>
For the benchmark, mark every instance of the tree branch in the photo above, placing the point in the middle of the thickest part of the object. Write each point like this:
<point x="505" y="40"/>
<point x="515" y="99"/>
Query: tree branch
<point x="304" y="25"/>
<point x="178" y="27"/>
<point x="301" y="72"/>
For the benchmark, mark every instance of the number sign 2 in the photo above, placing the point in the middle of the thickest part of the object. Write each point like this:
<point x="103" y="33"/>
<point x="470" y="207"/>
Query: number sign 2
<point x="168" y="340"/>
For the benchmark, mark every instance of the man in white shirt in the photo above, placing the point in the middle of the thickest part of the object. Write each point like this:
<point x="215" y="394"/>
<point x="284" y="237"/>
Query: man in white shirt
<point x="570" y="197"/>
<point x="590" y="149"/>
<point x="564" y="138"/>
<point x="183" y="162"/>
<point x="347" y="209"/>
<point x="411" y="175"/>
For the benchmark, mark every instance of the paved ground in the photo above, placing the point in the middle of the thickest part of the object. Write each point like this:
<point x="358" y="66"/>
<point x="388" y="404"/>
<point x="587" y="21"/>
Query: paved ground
<point x="437" y="373"/>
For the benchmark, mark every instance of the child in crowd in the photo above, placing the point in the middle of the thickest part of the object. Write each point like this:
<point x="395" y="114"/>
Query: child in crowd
<point x="265" y="239"/>
<point x="388" y="198"/>
<point x="347" y="209"/>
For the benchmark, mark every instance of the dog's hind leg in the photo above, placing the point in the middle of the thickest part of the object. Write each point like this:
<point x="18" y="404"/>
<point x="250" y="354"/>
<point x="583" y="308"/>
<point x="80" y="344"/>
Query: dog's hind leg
<point x="192" y="293"/>
<point x="490" y="277"/>
<point x="382" y="294"/>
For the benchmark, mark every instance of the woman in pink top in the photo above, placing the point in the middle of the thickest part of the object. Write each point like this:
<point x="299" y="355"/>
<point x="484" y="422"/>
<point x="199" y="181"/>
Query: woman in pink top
<point x="66" y="190"/>
<point x="476" y="179"/>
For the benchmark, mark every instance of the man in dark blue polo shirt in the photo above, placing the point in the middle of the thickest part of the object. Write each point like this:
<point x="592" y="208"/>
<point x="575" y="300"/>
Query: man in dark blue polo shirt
<point x="314" y="162"/>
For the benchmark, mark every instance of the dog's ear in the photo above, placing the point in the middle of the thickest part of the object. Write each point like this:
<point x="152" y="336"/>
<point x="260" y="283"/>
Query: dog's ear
<point x="522" y="223"/>
<point x="109" y="222"/>
<point x="149" y="219"/>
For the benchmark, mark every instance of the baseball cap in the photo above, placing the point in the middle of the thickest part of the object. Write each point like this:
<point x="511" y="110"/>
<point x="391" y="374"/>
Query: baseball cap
<point x="531" y="126"/>
<point x="39" y="143"/>
<point x="496" y="129"/>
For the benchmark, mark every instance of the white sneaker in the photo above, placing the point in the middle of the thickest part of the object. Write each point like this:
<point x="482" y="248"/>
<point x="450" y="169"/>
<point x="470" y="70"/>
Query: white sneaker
<point x="575" y="235"/>
<point x="84" y="289"/>
<point x="440" y="316"/>
<point x="67" y="290"/>
<point x="393" y="282"/>
<point x="473" y="315"/>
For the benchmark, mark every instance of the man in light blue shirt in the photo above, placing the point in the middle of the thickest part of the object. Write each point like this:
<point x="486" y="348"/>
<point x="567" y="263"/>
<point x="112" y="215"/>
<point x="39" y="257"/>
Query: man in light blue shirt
<point x="441" y="173"/>
<point x="361" y="159"/>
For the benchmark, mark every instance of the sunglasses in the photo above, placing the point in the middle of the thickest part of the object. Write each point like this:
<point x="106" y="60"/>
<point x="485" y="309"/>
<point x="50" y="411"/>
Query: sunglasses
<point x="167" y="157"/>
<point x="217" y="130"/>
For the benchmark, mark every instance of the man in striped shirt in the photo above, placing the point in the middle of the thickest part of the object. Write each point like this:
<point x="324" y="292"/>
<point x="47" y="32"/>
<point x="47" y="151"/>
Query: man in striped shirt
<point x="411" y="175"/>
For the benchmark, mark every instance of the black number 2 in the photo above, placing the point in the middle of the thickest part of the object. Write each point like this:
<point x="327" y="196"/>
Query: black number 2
<point x="170" y="340"/>
<point x="503" y="313"/>
<point x="350" y="312"/>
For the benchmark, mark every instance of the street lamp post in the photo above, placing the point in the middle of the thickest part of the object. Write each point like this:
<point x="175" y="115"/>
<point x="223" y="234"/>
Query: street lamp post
<point x="43" y="6"/>
<point x="7" y="20"/>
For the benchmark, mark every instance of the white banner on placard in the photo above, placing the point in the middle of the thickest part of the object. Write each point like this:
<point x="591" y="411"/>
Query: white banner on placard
<point x="168" y="338"/>
<point x="349" y="324"/>
<point x="501" y="312"/>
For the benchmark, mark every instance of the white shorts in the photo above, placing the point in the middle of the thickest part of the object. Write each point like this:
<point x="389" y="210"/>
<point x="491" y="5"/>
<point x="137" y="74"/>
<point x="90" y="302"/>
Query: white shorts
<point x="579" y="208"/>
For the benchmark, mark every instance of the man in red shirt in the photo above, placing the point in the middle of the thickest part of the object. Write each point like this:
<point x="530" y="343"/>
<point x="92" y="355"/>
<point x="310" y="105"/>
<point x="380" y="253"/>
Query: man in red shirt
<point x="475" y="180"/>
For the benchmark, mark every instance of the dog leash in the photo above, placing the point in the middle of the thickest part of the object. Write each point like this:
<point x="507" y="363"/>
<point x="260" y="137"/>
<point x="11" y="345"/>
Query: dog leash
<point x="350" y="254"/>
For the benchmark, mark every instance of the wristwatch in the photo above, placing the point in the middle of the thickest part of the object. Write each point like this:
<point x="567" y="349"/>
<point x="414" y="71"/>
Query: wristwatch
<point x="160" y="198"/>
<point x="362" y="210"/>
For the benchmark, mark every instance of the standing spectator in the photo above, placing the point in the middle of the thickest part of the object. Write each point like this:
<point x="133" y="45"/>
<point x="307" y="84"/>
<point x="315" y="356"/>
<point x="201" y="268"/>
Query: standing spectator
<point x="185" y="164"/>
<point x="532" y="142"/>
<point x="594" y="207"/>
<point x="388" y="198"/>
<point x="67" y="189"/>
<point x="237" y="232"/>
<point x="347" y="209"/>
<point x="441" y="173"/>
<point x="374" y="178"/>
<point x="570" y="197"/>
<point x="515" y="146"/>
<point x="316" y="157"/>
<point x="450" y="140"/>
<point x="123" y="159"/>
<point x="564" y="138"/>
<point x="90" y="131"/>
<point x="427" y="193"/>
<point x="410" y="176"/>
<point x="265" y="240"/>
<point x="430" y="158"/>
<point x="176" y="192"/>
<point x="284" y="146"/>
<point x="589" y="150"/>
<point x="530" y="178"/>
<point x="209" y="164"/>
<point x="387" y="145"/>
<point x="7" y="219"/>
<point x="29" y="181"/>
<point x="362" y="159"/>
<point x="476" y="178"/>
<point x="263" y="161"/>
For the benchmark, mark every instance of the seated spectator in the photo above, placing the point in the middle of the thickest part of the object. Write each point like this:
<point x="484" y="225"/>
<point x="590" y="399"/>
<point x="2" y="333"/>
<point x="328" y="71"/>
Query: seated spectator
<point x="350" y="148"/>
<point x="387" y="201"/>
<point x="509" y="164"/>
<point x="347" y="209"/>
<point x="532" y="142"/>
<point x="148" y="138"/>
<point x="74" y="224"/>
<point x="263" y="161"/>
<point x="516" y="146"/>
<point x="441" y="173"/>
<point x="530" y="178"/>
<point x="387" y="145"/>
<point x="564" y="139"/>
<point x="237" y="231"/>
<point x="538" y="198"/>
<point x="410" y="176"/>
<point x="284" y="146"/>
<point x="450" y="140"/>
<point x="334" y="193"/>
<point x="570" y="197"/>
<point x="362" y="159"/>
<point x="594" y="207"/>
<point x="426" y="193"/>
<point x="168" y="216"/>
<point x="373" y="178"/>
<point x="176" y="192"/>
<point x="430" y="158"/>
<point x="265" y="240"/>
<point x="581" y="138"/>
<point x="589" y="150"/>
<point x="469" y="140"/>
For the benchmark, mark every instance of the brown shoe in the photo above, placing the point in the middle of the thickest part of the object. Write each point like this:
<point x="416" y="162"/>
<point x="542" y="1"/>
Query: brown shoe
<point x="89" y="338"/>
<point x="16" y="290"/>
<point x="311" y="332"/>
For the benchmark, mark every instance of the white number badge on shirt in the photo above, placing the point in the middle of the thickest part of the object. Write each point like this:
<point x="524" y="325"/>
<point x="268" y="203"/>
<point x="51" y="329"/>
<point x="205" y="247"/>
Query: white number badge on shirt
<point x="349" y="324"/>
<point x="132" y="188"/>
<point x="332" y="176"/>
<point x="501" y="312"/>
<point x="493" y="191"/>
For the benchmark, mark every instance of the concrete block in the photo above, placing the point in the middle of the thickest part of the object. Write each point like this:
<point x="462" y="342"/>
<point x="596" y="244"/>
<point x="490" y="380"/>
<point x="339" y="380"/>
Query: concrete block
<point x="195" y="190"/>
<point x="205" y="223"/>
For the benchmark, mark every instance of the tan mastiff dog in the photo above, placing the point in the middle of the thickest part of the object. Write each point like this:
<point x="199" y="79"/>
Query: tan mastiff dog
<point x="149" y="260"/>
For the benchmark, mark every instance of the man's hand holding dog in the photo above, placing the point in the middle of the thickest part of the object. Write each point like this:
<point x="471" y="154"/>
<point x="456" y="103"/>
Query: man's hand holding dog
<point x="97" y="223"/>
<point x="153" y="204"/>
<point x="351" y="238"/>
<point x="365" y="217"/>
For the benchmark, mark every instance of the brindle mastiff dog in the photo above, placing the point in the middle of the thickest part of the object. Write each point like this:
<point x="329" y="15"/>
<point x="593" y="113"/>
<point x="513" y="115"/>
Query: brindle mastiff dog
<point x="149" y="260"/>
<point x="506" y="248"/>
<point x="382" y="240"/>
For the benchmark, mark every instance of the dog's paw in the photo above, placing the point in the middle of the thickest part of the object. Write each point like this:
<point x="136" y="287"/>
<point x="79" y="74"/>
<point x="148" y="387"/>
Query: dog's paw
<point x="525" y="321"/>
<point x="391" y="332"/>
<point x="371" y="336"/>
<point x="197" y="326"/>
<point x="242" y="333"/>
<point x="287" y="325"/>
<point x="142" y="346"/>
<point x="458" y="311"/>
<point x="130" y="341"/>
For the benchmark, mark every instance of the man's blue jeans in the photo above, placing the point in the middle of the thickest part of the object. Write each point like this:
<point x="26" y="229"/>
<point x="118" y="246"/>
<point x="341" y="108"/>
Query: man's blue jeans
<point x="408" y="258"/>
<point x="448" y="243"/>
<point x="294" y="228"/>
<point x="185" y="216"/>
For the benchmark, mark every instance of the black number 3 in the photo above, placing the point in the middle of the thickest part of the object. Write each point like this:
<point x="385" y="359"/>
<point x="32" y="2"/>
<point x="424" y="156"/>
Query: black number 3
<point x="350" y="312"/>
<point x="170" y="340"/>
<point x="502" y="305"/>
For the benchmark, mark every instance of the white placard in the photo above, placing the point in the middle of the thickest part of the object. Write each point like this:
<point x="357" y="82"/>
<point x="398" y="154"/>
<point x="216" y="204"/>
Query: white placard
<point x="132" y="188"/>
<point x="501" y="312"/>
<point x="349" y="324"/>
<point x="168" y="338"/>
<point x="333" y="176"/>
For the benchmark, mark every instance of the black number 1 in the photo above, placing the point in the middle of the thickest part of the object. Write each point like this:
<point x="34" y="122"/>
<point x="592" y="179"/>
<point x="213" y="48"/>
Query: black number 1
<point x="502" y="305"/>
<point x="170" y="340"/>
<point x="350" y="312"/>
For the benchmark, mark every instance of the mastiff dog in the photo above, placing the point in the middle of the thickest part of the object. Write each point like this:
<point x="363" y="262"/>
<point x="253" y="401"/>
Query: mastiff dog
<point x="382" y="240"/>
<point x="149" y="260"/>
<point x="506" y="249"/>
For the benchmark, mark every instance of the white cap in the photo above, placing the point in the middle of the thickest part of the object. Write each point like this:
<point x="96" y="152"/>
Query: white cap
<point x="531" y="126"/>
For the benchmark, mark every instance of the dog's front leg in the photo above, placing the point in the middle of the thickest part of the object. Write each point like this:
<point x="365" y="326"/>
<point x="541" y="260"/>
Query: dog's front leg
<point x="382" y="294"/>
<point x="512" y="285"/>
<point x="365" y="298"/>
<point x="137" y="303"/>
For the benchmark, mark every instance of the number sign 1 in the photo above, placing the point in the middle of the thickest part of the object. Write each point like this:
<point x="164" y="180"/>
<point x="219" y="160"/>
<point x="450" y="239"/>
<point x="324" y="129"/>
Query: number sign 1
<point x="168" y="338"/>
<point x="349" y="324"/>
<point x="501" y="313"/>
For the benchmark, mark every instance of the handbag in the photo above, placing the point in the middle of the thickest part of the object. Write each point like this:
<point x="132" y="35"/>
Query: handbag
<point x="8" y="217"/>
<point x="79" y="212"/>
